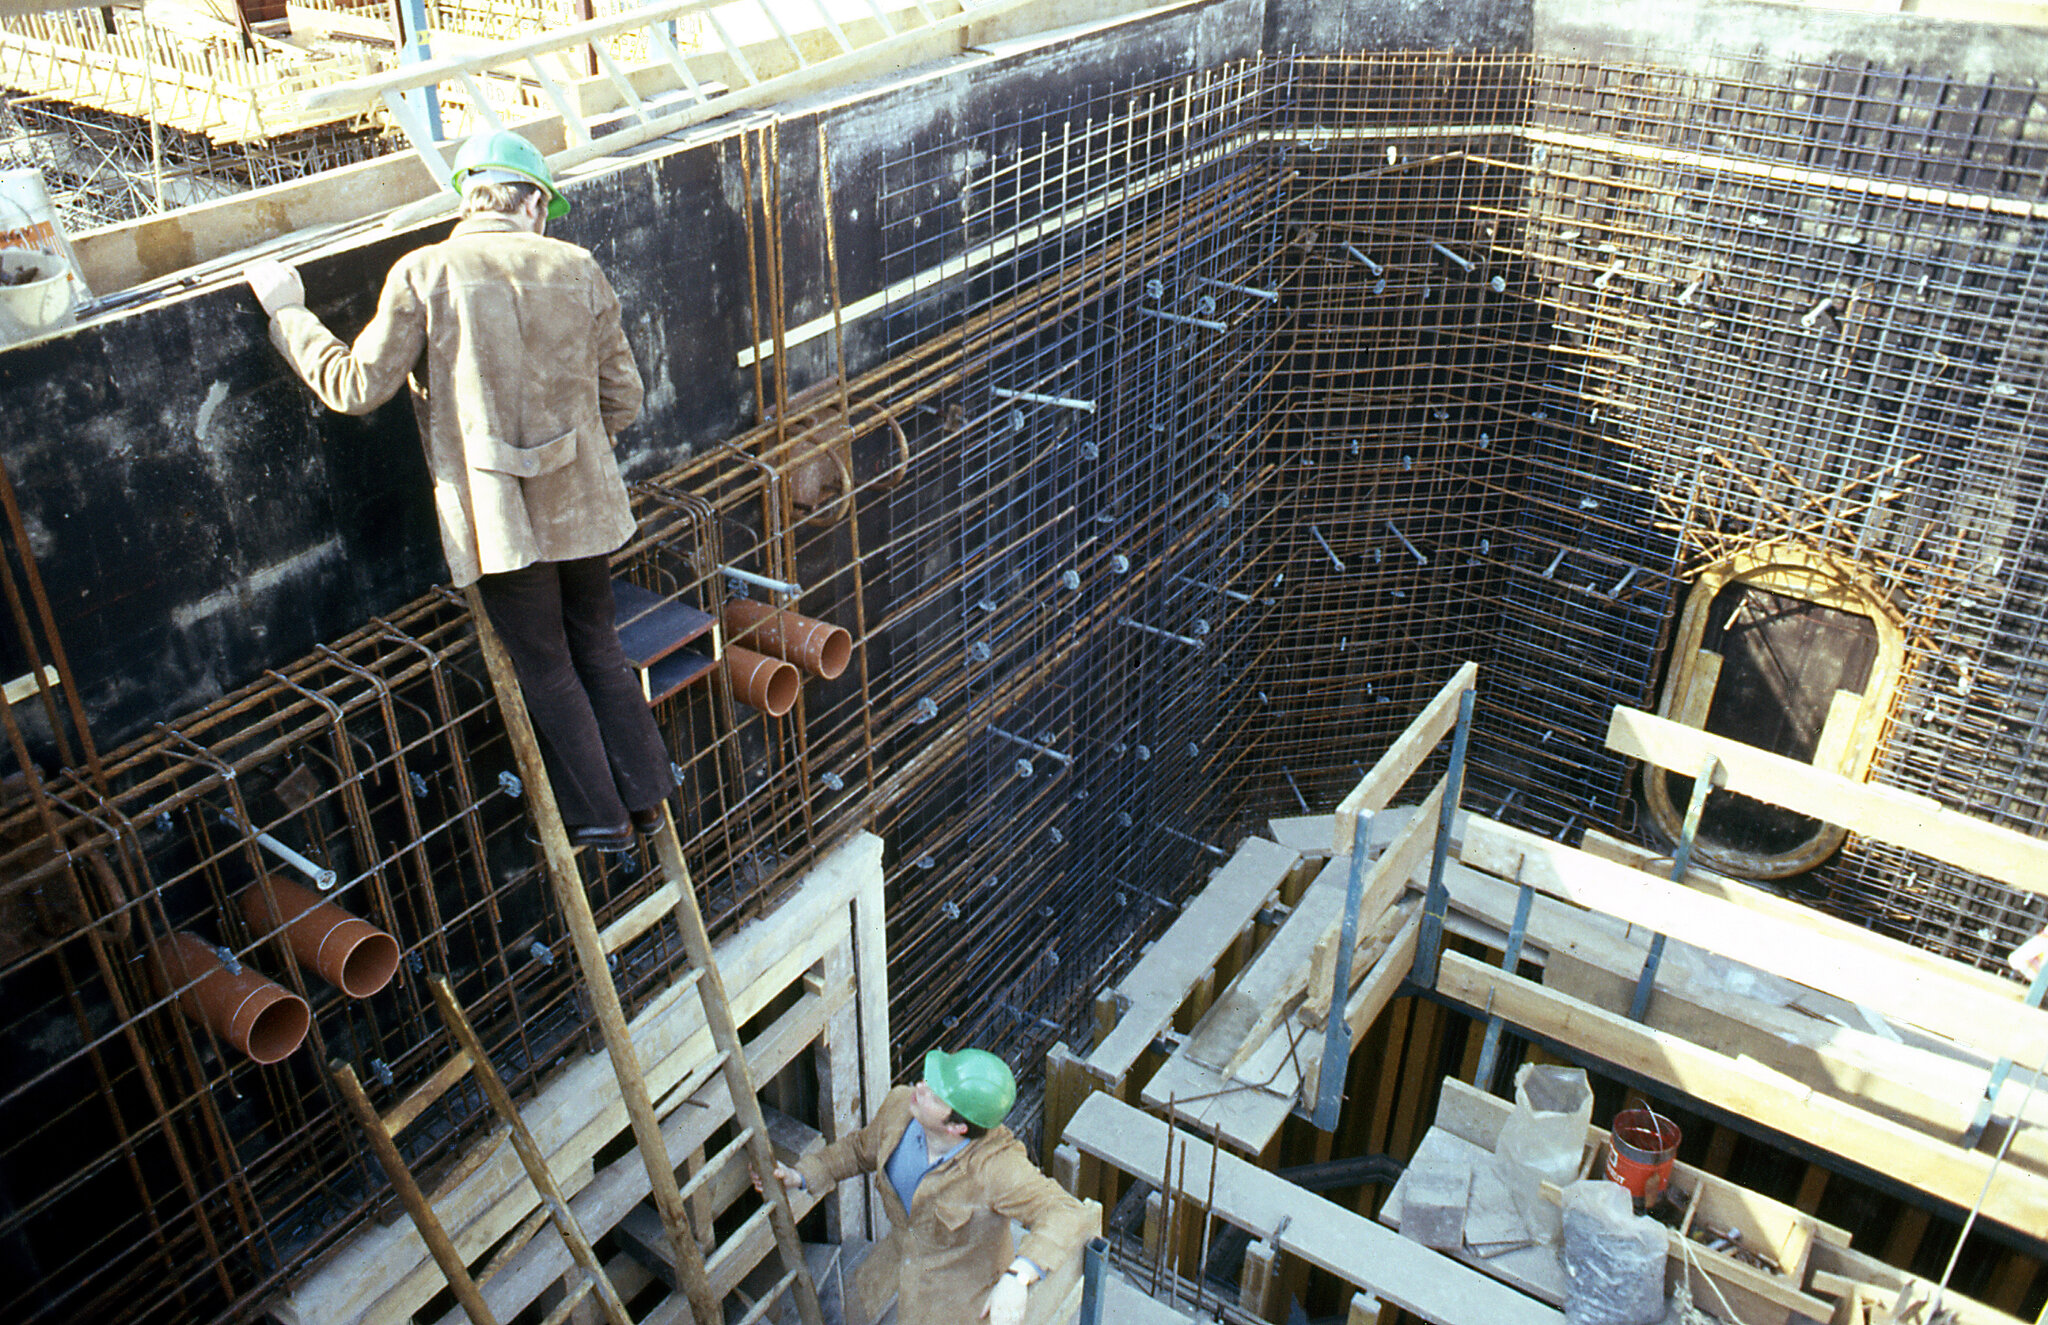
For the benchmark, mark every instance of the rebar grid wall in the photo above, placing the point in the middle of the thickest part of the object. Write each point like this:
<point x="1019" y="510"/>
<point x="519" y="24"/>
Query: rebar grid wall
<point x="1218" y="420"/>
<point x="205" y="1179"/>
<point x="1807" y="303"/>
<point x="1076" y="551"/>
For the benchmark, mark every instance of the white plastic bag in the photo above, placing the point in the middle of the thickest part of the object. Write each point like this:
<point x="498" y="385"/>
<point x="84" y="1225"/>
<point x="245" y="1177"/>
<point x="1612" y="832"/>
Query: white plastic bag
<point x="1613" y="1258"/>
<point x="1543" y="1141"/>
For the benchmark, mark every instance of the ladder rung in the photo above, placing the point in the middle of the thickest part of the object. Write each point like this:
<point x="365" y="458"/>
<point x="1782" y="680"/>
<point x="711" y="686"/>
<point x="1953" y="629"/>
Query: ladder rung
<point x="581" y="1289"/>
<point x="734" y="1244"/>
<point x="689" y="1085"/>
<point x="643" y="917"/>
<point x="422" y="1097"/>
<point x="477" y="1156"/>
<point x="716" y="1164"/>
<point x="658" y="1006"/>
<point x="512" y="1245"/>
<point x="768" y="1299"/>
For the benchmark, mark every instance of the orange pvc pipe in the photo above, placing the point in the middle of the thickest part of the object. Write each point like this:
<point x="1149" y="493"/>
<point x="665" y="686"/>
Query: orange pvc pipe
<point x="353" y="955"/>
<point x="768" y="684"/>
<point x="262" y="1019"/>
<point x="819" y="647"/>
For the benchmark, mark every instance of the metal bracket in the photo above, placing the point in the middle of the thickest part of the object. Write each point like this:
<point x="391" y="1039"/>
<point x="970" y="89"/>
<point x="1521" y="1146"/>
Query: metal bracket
<point x="1712" y="774"/>
<point x="1429" y="936"/>
<point x="1518" y="930"/>
<point x="2000" y="1071"/>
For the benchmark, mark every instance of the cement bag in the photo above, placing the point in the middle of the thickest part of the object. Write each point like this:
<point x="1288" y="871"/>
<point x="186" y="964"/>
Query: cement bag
<point x="1613" y="1258"/>
<point x="1543" y="1141"/>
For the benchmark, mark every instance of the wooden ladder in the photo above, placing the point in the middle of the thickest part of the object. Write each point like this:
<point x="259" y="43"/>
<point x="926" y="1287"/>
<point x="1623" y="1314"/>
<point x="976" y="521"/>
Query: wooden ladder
<point x="677" y="897"/>
<point x="383" y="1129"/>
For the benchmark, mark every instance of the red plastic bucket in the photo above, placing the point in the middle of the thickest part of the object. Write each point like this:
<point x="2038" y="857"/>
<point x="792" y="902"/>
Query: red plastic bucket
<point x="1639" y="1153"/>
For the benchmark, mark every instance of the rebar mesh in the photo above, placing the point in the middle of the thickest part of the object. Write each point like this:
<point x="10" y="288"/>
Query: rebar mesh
<point x="1219" y="419"/>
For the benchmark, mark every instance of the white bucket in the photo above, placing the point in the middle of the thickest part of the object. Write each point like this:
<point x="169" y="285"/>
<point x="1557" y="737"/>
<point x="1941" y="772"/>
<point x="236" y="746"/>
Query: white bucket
<point x="27" y="220"/>
<point x="35" y="294"/>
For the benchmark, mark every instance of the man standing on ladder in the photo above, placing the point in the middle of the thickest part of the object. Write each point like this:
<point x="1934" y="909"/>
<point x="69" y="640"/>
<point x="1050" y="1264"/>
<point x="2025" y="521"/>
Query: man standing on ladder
<point x="528" y="379"/>
<point x="956" y="1177"/>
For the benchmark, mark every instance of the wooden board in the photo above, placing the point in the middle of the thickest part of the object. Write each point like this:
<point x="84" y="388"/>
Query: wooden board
<point x="1590" y="958"/>
<point x="1246" y="1116"/>
<point x="1273" y="985"/>
<point x="1756" y="898"/>
<point x="384" y="1273"/>
<point x="1388" y="877"/>
<point x="1776" y="1102"/>
<point x="1902" y="818"/>
<point x="1302" y="1224"/>
<point x="1384" y="780"/>
<point x="1310" y="834"/>
<point x="1161" y="980"/>
<point x="1906" y="991"/>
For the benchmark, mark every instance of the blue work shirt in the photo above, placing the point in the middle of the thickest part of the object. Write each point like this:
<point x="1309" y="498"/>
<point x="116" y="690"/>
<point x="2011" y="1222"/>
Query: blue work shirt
<point x="911" y="1160"/>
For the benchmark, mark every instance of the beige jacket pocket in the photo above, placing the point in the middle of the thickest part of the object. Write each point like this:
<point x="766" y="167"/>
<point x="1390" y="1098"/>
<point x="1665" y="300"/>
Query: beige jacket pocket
<point x="502" y="457"/>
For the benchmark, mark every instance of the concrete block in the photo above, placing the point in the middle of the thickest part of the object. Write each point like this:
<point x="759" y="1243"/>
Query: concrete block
<point x="1433" y="1197"/>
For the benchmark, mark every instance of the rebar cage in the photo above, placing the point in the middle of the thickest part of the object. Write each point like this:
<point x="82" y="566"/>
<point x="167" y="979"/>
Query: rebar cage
<point x="1212" y="424"/>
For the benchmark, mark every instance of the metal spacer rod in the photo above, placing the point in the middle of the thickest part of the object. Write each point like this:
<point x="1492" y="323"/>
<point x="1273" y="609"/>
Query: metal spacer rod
<point x="1370" y="265"/>
<point x="1163" y="634"/>
<point x="322" y="877"/>
<point x="1033" y="746"/>
<point x="1066" y="402"/>
<point x="1193" y="841"/>
<point x="762" y="581"/>
<point x="1317" y="534"/>
<point x="1214" y="588"/>
<point x="1412" y="549"/>
<point x="1209" y="324"/>
<point x="1465" y="263"/>
<point x="1270" y="296"/>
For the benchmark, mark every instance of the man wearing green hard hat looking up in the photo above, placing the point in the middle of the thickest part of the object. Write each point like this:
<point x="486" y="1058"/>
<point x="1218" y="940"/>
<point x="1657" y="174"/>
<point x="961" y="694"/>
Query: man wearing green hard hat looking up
<point x="527" y="378"/>
<point x="955" y="1180"/>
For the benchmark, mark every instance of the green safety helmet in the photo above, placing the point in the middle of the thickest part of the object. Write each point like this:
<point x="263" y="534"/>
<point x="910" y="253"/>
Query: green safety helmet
<point x="973" y="1083"/>
<point x="507" y="153"/>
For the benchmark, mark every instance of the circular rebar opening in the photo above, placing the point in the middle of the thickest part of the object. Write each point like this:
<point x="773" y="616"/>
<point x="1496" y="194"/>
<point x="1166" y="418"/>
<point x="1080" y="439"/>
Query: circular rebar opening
<point x="369" y="965"/>
<point x="780" y="692"/>
<point x="279" y="1028"/>
<point x="834" y="653"/>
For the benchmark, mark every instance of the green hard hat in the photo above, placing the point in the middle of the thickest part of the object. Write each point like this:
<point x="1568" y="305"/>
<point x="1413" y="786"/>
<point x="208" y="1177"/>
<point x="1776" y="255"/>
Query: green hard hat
<point x="973" y="1083"/>
<point x="504" y="150"/>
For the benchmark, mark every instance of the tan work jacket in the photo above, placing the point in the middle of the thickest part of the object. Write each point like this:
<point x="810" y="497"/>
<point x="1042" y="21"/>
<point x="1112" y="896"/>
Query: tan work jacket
<point x="528" y="376"/>
<point x="949" y="1249"/>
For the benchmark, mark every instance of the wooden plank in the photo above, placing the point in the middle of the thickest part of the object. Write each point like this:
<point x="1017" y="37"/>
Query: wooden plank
<point x="383" y="1271"/>
<point x="1310" y="834"/>
<point x="1755" y="898"/>
<point x="1390" y="874"/>
<point x="1393" y="769"/>
<point x="622" y="1184"/>
<point x="2011" y="1196"/>
<point x="1929" y="1091"/>
<point x="1273" y="985"/>
<point x="1189" y="949"/>
<point x="1298" y="1223"/>
<point x="1902" y="818"/>
<point x="2000" y="1027"/>
<point x="1244" y="1115"/>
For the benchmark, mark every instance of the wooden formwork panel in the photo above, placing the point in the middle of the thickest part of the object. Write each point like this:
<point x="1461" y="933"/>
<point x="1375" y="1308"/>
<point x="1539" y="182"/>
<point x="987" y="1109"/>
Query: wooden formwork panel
<point x="823" y="945"/>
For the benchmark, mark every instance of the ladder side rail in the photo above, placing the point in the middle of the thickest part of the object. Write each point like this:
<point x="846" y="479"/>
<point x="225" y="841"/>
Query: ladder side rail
<point x="431" y="1230"/>
<point x="567" y="883"/>
<point x="552" y="1197"/>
